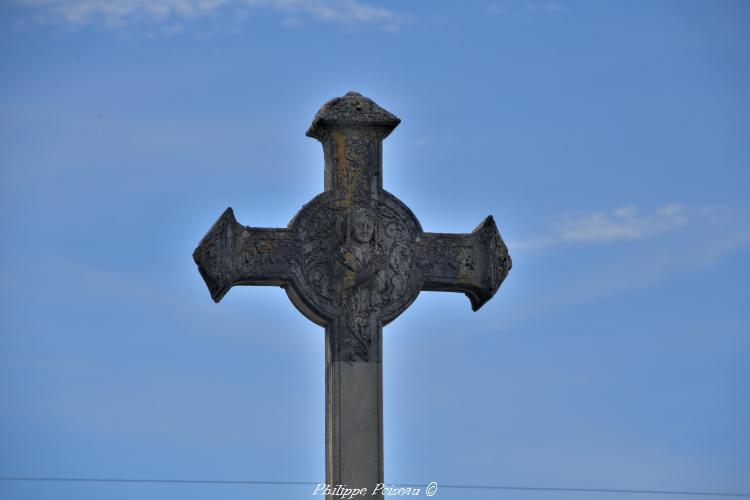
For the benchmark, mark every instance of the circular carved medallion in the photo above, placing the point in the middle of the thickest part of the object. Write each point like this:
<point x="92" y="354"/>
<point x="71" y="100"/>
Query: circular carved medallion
<point x="358" y="258"/>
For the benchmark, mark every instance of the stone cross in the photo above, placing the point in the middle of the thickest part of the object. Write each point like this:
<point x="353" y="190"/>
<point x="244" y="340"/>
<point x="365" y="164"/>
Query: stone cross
<point x="352" y="260"/>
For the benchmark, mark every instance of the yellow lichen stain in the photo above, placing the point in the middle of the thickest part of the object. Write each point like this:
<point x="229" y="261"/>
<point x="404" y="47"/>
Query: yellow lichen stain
<point x="348" y="282"/>
<point x="266" y="245"/>
<point x="465" y="274"/>
<point x="347" y="176"/>
<point x="465" y="278"/>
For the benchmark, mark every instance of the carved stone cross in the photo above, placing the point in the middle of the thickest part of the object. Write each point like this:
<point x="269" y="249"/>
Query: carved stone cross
<point x="352" y="260"/>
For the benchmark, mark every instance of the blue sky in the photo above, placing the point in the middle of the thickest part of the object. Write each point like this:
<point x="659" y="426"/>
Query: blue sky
<point x="608" y="139"/>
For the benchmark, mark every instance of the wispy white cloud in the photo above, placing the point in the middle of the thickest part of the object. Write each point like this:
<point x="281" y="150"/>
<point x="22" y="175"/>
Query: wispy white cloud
<point x="624" y="223"/>
<point x="120" y="12"/>
<point x="172" y="14"/>
<point x="673" y="240"/>
<point x="639" y="270"/>
<point x="516" y="8"/>
<point x="338" y="11"/>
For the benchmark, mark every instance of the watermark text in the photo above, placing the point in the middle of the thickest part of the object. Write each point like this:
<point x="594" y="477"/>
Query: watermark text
<point x="345" y="492"/>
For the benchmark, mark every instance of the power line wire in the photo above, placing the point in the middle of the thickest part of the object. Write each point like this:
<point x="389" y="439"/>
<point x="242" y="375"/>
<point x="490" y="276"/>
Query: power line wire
<point x="592" y="490"/>
<point x="175" y="481"/>
<point x="311" y="483"/>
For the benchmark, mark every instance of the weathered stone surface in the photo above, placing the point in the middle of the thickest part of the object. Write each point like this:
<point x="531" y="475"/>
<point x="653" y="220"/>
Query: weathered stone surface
<point x="353" y="108"/>
<point x="352" y="260"/>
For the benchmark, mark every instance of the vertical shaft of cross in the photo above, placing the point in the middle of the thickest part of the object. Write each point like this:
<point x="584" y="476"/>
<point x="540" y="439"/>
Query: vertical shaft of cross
<point x="354" y="412"/>
<point x="351" y="130"/>
<point x="353" y="162"/>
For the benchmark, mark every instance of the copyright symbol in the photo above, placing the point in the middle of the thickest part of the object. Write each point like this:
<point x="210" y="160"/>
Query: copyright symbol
<point x="431" y="489"/>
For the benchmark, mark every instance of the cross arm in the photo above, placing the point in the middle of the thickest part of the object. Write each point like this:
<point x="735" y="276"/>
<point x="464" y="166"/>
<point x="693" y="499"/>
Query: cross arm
<point x="232" y="254"/>
<point x="474" y="263"/>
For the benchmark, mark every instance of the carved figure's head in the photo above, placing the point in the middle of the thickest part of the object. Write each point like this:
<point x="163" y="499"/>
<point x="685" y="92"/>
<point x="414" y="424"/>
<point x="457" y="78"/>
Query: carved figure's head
<point x="362" y="225"/>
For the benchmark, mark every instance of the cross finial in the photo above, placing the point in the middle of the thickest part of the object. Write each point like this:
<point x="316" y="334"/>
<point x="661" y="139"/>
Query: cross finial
<point x="352" y="109"/>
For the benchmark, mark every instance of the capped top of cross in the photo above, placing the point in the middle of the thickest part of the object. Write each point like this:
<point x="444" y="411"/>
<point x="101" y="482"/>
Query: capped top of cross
<point x="352" y="108"/>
